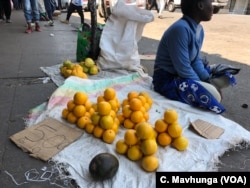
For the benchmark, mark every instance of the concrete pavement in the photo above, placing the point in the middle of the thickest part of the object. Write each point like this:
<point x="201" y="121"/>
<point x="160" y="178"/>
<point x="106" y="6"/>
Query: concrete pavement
<point x="22" y="89"/>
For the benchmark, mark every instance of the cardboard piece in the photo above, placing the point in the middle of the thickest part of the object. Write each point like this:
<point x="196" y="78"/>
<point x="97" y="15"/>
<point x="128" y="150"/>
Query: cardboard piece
<point x="207" y="129"/>
<point x="46" y="138"/>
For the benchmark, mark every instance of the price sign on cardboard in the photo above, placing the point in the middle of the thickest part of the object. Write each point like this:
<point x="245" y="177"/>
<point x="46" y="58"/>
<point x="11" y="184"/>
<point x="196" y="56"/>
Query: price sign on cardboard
<point x="46" y="138"/>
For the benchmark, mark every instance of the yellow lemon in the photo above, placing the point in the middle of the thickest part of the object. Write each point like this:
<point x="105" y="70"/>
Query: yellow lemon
<point x="106" y="122"/>
<point x="144" y="130"/>
<point x="174" y="130"/>
<point x="130" y="137"/>
<point x="180" y="143"/>
<point x="108" y="136"/>
<point x="103" y="108"/>
<point x="121" y="147"/>
<point x="149" y="146"/>
<point x="134" y="153"/>
<point x="150" y="163"/>
<point x="109" y="93"/>
<point x="161" y="125"/>
<point x="170" y="116"/>
<point x="164" y="139"/>
<point x="80" y="97"/>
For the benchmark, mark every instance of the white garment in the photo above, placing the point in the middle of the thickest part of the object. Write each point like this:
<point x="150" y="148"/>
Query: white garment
<point x="122" y="31"/>
<point x="41" y="6"/>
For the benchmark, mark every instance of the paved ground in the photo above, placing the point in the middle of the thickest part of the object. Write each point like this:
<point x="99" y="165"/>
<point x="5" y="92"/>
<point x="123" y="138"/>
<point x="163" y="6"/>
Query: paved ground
<point x="21" y="86"/>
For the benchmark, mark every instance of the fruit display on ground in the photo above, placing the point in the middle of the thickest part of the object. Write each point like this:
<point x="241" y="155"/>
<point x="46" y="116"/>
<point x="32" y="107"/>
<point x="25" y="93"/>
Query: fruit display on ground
<point x="135" y="109"/>
<point x="140" y="143"/>
<point x="81" y="70"/>
<point x="169" y="131"/>
<point x="98" y="118"/>
<point x="141" y="140"/>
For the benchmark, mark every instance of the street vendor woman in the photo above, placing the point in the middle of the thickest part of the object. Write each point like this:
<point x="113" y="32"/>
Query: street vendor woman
<point x="179" y="71"/>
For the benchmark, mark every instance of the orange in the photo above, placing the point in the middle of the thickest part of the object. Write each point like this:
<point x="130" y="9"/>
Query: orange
<point x="71" y="105"/>
<point x="180" y="143"/>
<point x="113" y="104"/>
<point x="125" y="102"/>
<point x="174" y="130"/>
<point x="136" y="116"/>
<point x="130" y="137"/>
<point x="146" y="116"/>
<point x="98" y="131"/>
<point x="143" y="99"/>
<point x="132" y="94"/>
<point x="106" y="122"/>
<point x="82" y="122"/>
<point x="108" y="136"/>
<point x="146" y="106"/>
<point x="161" y="125"/>
<point x="71" y="118"/>
<point x="121" y="118"/>
<point x="164" y="139"/>
<point x="135" y="104"/>
<point x="80" y="97"/>
<point x="91" y="111"/>
<point x="149" y="146"/>
<point x="65" y="112"/>
<point x="100" y="99"/>
<point x="94" y="106"/>
<point x="95" y="118"/>
<point x="112" y="114"/>
<point x="150" y="163"/>
<point x="170" y="116"/>
<point x="134" y="153"/>
<point x="121" y="147"/>
<point x="109" y="93"/>
<point x="144" y="130"/>
<point x="103" y="108"/>
<point x="115" y="126"/>
<point x="89" y="128"/>
<point x="128" y="124"/>
<point x="126" y="111"/>
<point x="88" y="105"/>
<point x="79" y="110"/>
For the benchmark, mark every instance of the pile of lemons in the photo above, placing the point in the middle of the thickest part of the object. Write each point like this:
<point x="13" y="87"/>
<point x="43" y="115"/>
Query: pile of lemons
<point x="169" y="131"/>
<point x="89" y="66"/>
<point x="135" y="109"/>
<point x="140" y="144"/>
<point x="81" y="69"/>
<point x="69" y="68"/>
<point x="78" y="110"/>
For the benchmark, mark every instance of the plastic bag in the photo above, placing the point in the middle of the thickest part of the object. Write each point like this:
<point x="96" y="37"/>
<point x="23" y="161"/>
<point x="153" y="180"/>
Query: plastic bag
<point x="83" y="47"/>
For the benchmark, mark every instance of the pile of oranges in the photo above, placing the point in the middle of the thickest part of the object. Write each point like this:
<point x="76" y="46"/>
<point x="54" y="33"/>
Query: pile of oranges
<point x="104" y="120"/>
<point x="140" y="144"/>
<point x="78" y="110"/>
<point x="135" y="109"/>
<point x="169" y="131"/>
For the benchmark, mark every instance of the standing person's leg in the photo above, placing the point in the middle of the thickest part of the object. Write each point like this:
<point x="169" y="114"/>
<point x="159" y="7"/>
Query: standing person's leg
<point x="7" y="10"/>
<point x="161" y="8"/>
<point x="36" y="13"/>
<point x="49" y="10"/>
<point x="80" y="12"/>
<point x="71" y="9"/>
<point x="27" y="14"/>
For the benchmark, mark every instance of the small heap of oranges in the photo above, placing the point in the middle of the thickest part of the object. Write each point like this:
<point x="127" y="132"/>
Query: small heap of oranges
<point x="169" y="131"/>
<point x="69" y="68"/>
<point x="140" y="144"/>
<point x="79" y="110"/>
<point x="135" y="109"/>
<point x="105" y="124"/>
